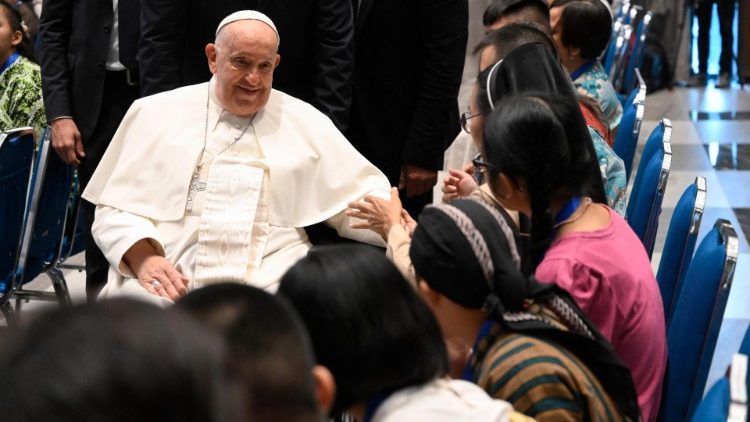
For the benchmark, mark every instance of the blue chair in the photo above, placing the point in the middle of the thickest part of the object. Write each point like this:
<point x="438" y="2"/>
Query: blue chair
<point x="610" y="56"/>
<point x="745" y="346"/>
<point x="639" y="90"/>
<point x="680" y="243"/>
<point x="17" y="153"/>
<point x="715" y="406"/>
<point x="628" y="132"/>
<point x="695" y="324"/>
<point x="636" y="57"/>
<point x="645" y="207"/>
<point x="661" y="133"/>
<point x="42" y="242"/>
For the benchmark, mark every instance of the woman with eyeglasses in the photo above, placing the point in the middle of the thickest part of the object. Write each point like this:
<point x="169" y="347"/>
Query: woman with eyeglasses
<point x="533" y="66"/>
<point x="532" y="157"/>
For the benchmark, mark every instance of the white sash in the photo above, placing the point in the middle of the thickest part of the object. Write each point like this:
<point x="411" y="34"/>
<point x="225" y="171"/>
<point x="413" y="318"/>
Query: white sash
<point x="226" y="224"/>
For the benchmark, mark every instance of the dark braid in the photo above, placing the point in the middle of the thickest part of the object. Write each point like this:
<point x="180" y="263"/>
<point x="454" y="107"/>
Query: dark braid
<point x="535" y="140"/>
<point x="25" y="48"/>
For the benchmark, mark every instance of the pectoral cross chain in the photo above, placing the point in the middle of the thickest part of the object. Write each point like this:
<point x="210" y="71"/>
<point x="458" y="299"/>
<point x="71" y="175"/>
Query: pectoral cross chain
<point x="195" y="186"/>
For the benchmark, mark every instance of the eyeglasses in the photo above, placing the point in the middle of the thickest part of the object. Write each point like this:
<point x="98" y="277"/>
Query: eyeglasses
<point x="480" y="167"/>
<point x="465" y="117"/>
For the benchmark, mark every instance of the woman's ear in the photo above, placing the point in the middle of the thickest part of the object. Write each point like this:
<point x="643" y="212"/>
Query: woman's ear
<point x="503" y="187"/>
<point x="325" y="387"/>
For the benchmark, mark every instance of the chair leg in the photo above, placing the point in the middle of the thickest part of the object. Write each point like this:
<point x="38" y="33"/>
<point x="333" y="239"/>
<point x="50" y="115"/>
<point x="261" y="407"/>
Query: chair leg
<point x="19" y="304"/>
<point x="10" y="316"/>
<point x="60" y="286"/>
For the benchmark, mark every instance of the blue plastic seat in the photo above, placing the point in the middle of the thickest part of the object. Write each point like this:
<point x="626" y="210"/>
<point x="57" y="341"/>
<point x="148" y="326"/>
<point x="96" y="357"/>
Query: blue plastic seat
<point x="636" y="57"/>
<point x="644" y="206"/>
<point x="696" y="320"/>
<point x="661" y="133"/>
<point x="628" y="132"/>
<point x="17" y="152"/>
<point x="680" y="243"/>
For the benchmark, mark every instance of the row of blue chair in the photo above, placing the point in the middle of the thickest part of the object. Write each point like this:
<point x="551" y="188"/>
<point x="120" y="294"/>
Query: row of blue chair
<point x="694" y="286"/>
<point x="625" y="51"/>
<point x="38" y="218"/>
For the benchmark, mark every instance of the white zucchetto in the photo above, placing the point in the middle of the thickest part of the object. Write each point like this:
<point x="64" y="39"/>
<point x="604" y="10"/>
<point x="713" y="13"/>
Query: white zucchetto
<point x="253" y="15"/>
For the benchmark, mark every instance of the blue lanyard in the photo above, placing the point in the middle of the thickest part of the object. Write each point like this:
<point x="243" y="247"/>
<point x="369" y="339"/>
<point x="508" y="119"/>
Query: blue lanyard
<point x="468" y="374"/>
<point x="8" y="63"/>
<point x="583" y="69"/>
<point x="568" y="209"/>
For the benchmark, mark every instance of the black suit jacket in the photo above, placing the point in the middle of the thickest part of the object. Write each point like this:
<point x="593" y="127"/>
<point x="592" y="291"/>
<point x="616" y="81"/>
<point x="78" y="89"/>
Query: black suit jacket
<point x="409" y="57"/>
<point x="316" y="47"/>
<point x="74" y="40"/>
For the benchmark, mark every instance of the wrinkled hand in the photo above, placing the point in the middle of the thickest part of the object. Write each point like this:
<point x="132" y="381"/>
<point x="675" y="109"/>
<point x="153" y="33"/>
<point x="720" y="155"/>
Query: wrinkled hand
<point x="377" y="214"/>
<point x="416" y="180"/>
<point x="172" y="284"/>
<point x="66" y="140"/>
<point x="459" y="184"/>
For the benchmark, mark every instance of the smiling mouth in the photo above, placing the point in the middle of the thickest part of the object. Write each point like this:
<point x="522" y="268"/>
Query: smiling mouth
<point x="248" y="90"/>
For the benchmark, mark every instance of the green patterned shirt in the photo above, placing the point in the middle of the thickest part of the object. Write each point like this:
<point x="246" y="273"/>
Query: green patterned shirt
<point x="21" y="97"/>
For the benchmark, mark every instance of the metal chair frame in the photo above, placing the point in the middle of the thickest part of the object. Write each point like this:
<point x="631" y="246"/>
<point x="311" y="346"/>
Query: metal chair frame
<point x="5" y="307"/>
<point x="61" y="293"/>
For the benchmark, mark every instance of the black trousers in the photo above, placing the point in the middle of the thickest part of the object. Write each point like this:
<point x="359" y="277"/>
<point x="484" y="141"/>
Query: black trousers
<point x="726" y="18"/>
<point x="116" y="99"/>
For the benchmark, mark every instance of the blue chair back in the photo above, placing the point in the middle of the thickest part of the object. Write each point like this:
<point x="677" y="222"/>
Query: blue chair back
<point x="661" y="133"/>
<point x="636" y="57"/>
<point x="715" y="407"/>
<point x="644" y="209"/>
<point x="696" y="320"/>
<point x="745" y="346"/>
<point x="17" y="153"/>
<point x="53" y="183"/>
<point x="680" y="243"/>
<point x="627" y="135"/>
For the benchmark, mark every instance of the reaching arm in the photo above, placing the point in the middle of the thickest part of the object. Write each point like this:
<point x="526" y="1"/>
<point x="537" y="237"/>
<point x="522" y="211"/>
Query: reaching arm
<point x="333" y="42"/>
<point x="163" y="37"/>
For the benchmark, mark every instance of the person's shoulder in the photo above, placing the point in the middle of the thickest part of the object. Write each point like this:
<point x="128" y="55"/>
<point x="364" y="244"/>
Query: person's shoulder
<point x="294" y="107"/>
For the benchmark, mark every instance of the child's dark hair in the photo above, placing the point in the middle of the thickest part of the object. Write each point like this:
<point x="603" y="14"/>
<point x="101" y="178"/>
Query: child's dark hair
<point x="540" y="138"/>
<point x="25" y="48"/>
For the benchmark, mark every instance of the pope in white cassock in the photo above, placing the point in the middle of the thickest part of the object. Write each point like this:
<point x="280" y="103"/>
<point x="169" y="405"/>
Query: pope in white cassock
<point x="215" y="182"/>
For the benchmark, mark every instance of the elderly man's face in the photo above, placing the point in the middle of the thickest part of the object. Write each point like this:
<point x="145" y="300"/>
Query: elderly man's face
<point x="243" y="60"/>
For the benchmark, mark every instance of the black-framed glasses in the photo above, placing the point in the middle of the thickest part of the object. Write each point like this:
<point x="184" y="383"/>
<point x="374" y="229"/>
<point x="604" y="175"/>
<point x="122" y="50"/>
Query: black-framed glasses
<point x="480" y="167"/>
<point x="465" y="117"/>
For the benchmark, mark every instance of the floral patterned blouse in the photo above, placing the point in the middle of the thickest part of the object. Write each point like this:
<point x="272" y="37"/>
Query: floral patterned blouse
<point x="21" y="97"/>
<point x="613" y="172"/>
<point x="591" y="80"/>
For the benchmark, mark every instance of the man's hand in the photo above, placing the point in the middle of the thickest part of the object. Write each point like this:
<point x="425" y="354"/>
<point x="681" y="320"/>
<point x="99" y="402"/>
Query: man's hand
<point x="154" y="272"/>
<point x="458" y="184"/>
<point x="416" y="180"/>
<point x="66" y="140"/>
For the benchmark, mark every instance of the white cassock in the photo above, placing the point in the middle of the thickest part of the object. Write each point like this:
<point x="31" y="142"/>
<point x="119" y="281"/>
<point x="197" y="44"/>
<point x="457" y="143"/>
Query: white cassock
<point x="289" y="168"/>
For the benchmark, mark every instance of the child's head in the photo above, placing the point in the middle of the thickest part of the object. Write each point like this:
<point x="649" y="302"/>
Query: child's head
<point x="13" y="37"/>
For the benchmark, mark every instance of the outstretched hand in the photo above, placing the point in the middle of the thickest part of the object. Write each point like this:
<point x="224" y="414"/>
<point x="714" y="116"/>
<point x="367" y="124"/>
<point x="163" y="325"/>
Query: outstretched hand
<point x="377" y="214"/>
<point x="459" y="184"/>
